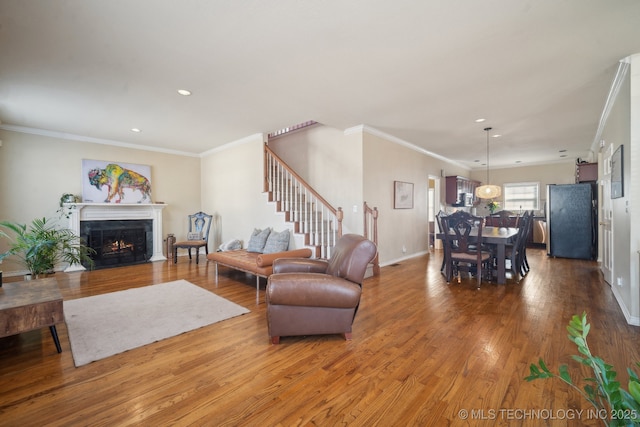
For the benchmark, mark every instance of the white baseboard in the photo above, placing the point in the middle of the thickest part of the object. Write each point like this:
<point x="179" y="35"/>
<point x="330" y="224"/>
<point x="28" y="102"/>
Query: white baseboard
<point x="632" y="320"/>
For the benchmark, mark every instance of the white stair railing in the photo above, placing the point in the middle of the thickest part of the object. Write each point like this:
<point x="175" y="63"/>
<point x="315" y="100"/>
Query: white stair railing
<point x="313" y="216"/>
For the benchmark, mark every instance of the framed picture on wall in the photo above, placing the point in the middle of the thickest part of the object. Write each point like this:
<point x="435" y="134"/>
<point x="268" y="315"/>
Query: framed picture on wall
<point x="115" y="182"/>
<point x="617" y="174"/>
<point x="402" y="195"/>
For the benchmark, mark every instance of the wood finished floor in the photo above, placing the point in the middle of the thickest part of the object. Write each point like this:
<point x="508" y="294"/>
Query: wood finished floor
<point x="423" y="351"/>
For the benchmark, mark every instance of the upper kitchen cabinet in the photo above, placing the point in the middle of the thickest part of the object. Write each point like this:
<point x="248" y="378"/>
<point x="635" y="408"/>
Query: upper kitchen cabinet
<point x="586" y="172"/>
<point x="460" y="191"/>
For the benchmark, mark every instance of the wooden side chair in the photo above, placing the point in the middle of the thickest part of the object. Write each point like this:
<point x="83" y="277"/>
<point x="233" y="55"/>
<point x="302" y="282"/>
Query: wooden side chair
<point x="197" y="237"/>
<point x="439" y="216"/>
<point x="502" y="219"/>
<point x="517" y="253"/>
<point x="462" y="248"/>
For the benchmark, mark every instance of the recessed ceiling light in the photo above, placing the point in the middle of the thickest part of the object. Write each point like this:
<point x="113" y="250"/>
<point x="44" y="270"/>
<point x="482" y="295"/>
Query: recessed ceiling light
<point x="477" y="161"/>
<point x="518" y="161"/>
<point x="184" y="92"/>
<point x="497" y="135"/>
<point x="136" y="130"/>
<point x="562" y="151"/>
<point x="480" y="120"/>
<point x="563" y="155"/>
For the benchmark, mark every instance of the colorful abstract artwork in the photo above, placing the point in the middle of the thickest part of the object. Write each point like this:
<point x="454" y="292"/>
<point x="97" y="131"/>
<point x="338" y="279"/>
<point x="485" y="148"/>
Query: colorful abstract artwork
<point x="115" y="182"/>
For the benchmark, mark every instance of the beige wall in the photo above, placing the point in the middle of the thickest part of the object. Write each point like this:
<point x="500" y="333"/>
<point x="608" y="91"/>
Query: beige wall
<point x="386" y="161"/>
<point x="36" y="170"/>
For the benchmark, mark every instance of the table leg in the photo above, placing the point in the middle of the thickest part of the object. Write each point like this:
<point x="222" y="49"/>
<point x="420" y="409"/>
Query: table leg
<point x="502" y="275"/>
<point x="54" y="334"/>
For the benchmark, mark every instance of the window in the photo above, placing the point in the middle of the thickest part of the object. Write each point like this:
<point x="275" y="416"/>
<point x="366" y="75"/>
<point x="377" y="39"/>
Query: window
<point x="522" y="196"/>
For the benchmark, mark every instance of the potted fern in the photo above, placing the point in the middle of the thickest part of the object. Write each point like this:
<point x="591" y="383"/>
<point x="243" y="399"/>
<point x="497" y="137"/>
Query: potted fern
<point x="613" y="404"/>
<point x="41" y="245"/>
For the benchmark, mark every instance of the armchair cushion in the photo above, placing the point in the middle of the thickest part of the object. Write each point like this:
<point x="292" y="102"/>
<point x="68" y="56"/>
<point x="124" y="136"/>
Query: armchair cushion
<point x="300" y="265"/>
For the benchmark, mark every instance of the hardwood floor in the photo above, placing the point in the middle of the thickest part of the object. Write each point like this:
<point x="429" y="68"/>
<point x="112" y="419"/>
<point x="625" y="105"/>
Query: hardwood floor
<point x="423" y="352"/>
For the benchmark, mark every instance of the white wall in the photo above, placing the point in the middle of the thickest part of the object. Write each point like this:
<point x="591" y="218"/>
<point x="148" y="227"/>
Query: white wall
<point x="623" y="128"/>
<point x="36" y="170"/>
<point x="633" y="207"/>
<point x="232" y="191"/>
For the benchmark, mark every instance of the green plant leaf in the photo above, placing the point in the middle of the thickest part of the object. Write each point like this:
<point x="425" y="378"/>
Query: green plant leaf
<point x="583" y="360"/>
<point x="564" y="373"/>
<point x="573" y="332"/>
<point x="634" y="390"/>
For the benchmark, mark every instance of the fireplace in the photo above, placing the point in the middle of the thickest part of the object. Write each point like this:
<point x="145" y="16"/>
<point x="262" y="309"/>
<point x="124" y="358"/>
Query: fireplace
<point x="118" y="243"/>
<point x="80" y="213"/>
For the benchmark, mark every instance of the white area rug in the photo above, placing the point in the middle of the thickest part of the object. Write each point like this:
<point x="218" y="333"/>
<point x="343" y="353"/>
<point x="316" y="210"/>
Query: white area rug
<point x="103" y="325"/>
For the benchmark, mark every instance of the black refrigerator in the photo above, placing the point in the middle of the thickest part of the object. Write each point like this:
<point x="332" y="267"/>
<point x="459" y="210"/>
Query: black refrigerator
<point x="572" y="221"/>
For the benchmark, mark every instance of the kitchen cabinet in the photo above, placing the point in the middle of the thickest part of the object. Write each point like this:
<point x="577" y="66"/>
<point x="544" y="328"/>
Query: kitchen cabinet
<point x="460" y="191"/>
<point x="586" y="172"/>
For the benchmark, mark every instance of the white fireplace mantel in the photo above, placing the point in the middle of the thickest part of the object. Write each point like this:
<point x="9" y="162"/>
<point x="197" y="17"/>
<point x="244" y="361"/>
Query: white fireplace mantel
<point x="117" y="211"/>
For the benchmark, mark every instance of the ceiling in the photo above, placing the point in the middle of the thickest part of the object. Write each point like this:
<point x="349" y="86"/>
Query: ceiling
<point x="538" y="71"/>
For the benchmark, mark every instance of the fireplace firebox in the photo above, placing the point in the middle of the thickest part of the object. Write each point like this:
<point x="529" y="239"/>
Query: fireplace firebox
<point x="118" y="242"/>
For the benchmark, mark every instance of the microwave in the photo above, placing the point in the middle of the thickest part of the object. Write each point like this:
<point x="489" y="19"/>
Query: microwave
<point x="465" y="199"/>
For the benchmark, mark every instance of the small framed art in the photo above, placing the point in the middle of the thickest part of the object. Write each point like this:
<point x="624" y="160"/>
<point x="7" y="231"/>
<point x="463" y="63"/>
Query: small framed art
<point x="402" y="195"/>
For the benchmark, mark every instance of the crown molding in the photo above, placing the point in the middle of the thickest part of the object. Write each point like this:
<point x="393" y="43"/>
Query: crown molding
<point x="614" y="90"/>
<point x="247" y="139"/>
<point x="533" y="164"/>
<point x="375" y="132"/>
<point x="92" y="140"/>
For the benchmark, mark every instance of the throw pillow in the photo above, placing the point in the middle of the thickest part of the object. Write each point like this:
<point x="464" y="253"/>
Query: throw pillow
<point x="277" y="242"/>
<point x="231" y="245"/>
<point x="258" y="239"/>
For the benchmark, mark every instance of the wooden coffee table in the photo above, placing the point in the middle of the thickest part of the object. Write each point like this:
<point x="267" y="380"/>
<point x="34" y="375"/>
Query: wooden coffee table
<point x="29" y="305"/>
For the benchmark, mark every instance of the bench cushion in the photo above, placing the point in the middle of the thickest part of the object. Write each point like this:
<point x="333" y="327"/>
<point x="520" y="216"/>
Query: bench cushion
<point x="255" y="263"/>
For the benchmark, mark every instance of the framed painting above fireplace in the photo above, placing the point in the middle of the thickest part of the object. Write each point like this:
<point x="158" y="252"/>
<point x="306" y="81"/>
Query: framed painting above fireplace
<point x="115" y="182"/>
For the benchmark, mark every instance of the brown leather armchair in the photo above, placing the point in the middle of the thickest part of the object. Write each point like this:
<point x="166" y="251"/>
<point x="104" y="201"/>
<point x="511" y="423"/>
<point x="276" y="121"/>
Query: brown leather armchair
<point x="315" y="296"/>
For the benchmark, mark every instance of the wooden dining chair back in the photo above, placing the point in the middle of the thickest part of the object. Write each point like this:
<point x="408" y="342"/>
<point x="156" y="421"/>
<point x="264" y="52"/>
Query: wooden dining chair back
<point x="516" y="253"/>
<point x="439" y="216"/>
<point x="528" y="229"/>
<point x="503" y="219"/>
<point x="463" y="247"/>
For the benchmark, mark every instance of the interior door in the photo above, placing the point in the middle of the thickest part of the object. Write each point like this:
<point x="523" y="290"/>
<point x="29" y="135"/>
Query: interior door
<point x="605" y="215"/>
<point x="433" y="206"/>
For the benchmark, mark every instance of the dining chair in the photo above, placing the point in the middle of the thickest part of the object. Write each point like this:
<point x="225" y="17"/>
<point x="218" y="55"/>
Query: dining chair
<point x="503" y="219"/>
<point x="439" y="216"/>
<point x="516" y="253"/>
<point x="462" y="248"/>
<point x="527" y="230"/>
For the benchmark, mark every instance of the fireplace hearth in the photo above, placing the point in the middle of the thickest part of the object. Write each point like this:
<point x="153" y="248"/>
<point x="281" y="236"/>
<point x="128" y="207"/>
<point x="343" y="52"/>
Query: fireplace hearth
<point x="118" y="242"/>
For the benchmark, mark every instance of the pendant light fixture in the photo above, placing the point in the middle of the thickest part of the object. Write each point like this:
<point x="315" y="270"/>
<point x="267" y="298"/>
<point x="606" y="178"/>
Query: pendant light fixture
<point x="488" y="191"/>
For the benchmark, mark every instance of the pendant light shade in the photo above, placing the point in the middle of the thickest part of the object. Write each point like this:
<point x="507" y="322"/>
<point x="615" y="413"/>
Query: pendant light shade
<point x="488" y="191"/>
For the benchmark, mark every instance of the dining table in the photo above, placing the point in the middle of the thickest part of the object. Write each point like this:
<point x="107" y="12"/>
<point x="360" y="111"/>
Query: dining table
<point x="498" y="237"/>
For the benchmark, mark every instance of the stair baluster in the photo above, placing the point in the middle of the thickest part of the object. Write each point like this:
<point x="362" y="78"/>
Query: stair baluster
<point x="314" y="217"/>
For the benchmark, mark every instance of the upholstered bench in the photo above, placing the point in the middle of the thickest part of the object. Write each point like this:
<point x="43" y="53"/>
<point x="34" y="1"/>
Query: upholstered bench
<point x="258" y="264"/>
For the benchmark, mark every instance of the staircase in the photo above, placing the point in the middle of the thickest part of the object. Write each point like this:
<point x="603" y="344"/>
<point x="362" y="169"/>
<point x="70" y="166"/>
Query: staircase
<point x="311" y="215"/>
